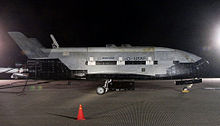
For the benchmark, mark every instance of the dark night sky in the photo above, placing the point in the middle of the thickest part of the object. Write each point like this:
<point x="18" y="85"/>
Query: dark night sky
<point x="182" y="24"/>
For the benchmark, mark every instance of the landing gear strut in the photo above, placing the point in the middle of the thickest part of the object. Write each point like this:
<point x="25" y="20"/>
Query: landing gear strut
<point x="104" y="89"/>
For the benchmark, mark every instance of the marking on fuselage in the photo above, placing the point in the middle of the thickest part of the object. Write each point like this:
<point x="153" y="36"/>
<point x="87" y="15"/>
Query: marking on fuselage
<point x="136" y="58"/>
<point x="108" y="57"/>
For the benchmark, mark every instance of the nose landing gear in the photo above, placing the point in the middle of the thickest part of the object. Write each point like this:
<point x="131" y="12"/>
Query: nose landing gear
<point x="186" y="89"/>
<point x="189" y="84"/>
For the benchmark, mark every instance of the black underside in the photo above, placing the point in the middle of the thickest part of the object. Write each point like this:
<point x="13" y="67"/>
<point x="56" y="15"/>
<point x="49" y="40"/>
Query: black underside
<point x="135" y="77"/>
<point x="119" y="76"/>
<point x="55" y="69"/>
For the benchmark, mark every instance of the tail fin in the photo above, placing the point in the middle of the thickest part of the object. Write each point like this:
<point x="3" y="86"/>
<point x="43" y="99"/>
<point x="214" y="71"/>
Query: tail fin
<point x="30" y="46"/>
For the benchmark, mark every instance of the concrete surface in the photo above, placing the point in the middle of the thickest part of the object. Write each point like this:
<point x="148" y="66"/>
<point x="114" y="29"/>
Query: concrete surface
<point x="153" y="103"/>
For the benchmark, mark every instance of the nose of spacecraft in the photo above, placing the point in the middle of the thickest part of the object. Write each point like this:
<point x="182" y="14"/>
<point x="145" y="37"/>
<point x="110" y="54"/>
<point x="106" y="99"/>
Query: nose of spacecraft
<point x="202" y="64"/>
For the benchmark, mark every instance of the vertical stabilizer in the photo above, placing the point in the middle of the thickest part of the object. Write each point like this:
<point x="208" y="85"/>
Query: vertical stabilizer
<point x="30" y="46"/>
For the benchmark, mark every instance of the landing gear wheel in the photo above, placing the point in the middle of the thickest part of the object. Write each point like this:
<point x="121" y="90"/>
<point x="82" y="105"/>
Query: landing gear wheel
<point x="185" y="90"/>
<point x="100" y="90"/>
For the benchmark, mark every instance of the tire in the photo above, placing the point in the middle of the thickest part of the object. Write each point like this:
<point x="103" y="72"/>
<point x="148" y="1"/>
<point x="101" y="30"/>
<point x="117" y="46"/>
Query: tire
<point x="100" y="90"/>
<point x="185" y="88"/>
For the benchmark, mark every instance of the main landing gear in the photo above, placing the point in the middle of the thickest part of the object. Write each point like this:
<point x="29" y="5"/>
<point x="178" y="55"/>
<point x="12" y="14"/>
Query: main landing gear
<point x="104" y="89"/>
<point x="115" y="86"/>
<point x="188" y="83"/>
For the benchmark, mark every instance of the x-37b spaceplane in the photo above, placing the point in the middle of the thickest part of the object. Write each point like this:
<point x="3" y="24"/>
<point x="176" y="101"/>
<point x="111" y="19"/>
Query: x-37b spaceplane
<point x="110" y="63"/>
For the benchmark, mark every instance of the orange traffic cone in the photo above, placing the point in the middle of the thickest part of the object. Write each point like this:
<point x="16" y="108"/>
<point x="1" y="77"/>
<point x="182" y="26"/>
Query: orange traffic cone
<point x="80" y="113"/>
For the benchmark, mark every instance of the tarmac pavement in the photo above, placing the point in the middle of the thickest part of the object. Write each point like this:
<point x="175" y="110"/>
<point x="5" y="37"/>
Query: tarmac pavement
<point x="152" y="103"/>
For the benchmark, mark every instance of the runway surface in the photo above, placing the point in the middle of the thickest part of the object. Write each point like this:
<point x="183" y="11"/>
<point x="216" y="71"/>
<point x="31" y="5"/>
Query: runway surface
<point x="153" y="103"/>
